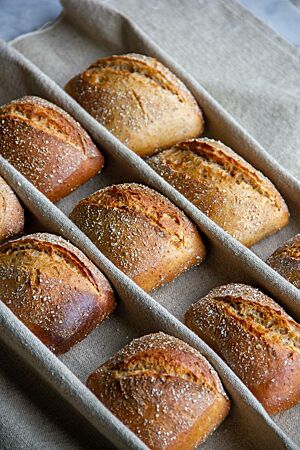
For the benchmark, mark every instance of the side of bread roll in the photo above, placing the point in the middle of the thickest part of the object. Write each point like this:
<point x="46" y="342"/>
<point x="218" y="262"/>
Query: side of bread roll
<point x="225" y="187"/>
<point x="47" y="146"/>
<point x="141" y="232"/>
<point x="165" y="391"/>
<point x="53" y="288"/>
<point x="11" y="212"/>
<point x="256" y="338"/>
<point x="139" y="100"/>
<point x="286" y="260"/>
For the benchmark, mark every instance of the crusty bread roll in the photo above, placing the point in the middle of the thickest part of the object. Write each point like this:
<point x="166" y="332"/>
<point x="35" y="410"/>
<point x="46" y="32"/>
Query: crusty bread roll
<point x="286" y="260"/>
<point x="225" y="187"/>
<point x="256" y="338"/>
<point x="139" y="100"/>
<point x="11" y="212"/>
<point x="165" y="391"/>
<point x="53" y="288"/>
<point x="141" y="232"/>
<point x="47" y="146"/>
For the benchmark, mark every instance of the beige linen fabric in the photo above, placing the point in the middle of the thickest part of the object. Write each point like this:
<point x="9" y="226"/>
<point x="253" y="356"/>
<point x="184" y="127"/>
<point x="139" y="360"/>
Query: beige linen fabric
<point x="229" y="68"/>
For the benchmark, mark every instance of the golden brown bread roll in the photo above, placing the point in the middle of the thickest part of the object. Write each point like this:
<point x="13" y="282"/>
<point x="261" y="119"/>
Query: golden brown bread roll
<point x="139" y="100"/>
<point x="11" y="212"/>
<point x="286" y="260"/>
<point x="141" y="232"/>
<point x="47" y="146"/>
<point x="256" y="338"/>
<point x="54" y="289"/>
<point x="165" y="391"/>
<point x="225" y="187"/>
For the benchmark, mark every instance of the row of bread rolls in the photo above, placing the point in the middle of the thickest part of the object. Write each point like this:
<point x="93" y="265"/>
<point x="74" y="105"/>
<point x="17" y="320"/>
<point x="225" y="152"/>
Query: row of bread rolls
<point x="147" y="108"/>
<point x="61" y="296"/>
<point x="151" y="240"/>
<point x="141" y="232"/>
<point x="41" y="140"/>
<point x="161" y="388"/>
<point x="54" y="289"/>
<point x="165" y="391"/>
<point x="57" y="155"/>
<point x="58" y="293"/>
<point x="143" y="104"/>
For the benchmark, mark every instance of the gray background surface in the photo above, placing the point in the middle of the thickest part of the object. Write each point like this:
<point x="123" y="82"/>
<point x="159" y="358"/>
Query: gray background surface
<point x="22" y="16"/>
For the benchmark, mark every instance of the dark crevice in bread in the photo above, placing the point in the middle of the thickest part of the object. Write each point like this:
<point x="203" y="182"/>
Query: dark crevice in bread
<point x="17" y="247"/>
<point x="3" y="206"/>
<point x="35" y="111"/>
<point x="132" y="197"/>
<point x="291" y="250"/>
<point x="231" y="163"/>
<point x="134" y="63"/>
<point x="139" y="102"/>
<point x="149" y="365"/>
<point x="275" y="326"/>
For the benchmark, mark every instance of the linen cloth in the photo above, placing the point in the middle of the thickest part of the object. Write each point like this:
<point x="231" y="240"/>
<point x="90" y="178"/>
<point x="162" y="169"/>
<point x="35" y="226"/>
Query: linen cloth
<point x="229" y="65"/>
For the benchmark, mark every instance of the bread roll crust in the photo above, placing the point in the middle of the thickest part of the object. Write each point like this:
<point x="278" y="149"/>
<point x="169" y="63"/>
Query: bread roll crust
<point x="54" y="289"/>
<point x="139" y="100"/>
<point x="11" y="212"/>
<point x="47" y="146"/>
<point x="286" y="260"/>
<point x="257" y="339"/>
<point x="163" y="390"/>
<point x="141" y="232"/>
<point x="225" y="187"/>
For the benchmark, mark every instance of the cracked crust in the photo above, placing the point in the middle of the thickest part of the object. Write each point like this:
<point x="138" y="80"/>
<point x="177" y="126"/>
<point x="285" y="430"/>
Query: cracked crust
<point x="139" y="100"/>
<point x="11" y="212"/>
<point x="286" y="260"/>
<point x="141" y="232"/>
<point x="256" y="338"/>
<point x="47" y="146"/>
<point x="163" y="390"/>
<point x="54" y="289"/>
<point x="225" y="187"/>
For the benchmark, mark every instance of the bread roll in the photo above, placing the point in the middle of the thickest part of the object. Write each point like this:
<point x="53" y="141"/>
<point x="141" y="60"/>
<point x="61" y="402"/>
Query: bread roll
<point x="286" y="260"/>
<point x="47" y="146"/>
<point x="53" y="289"/>
<point x="141" y="232"/>
<point x="139" y="100"/>
<point x="11" y="212"/>
<point x="165" y="391"/>
<point x="256" y="338"/>
<point x="225" y="187"/>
